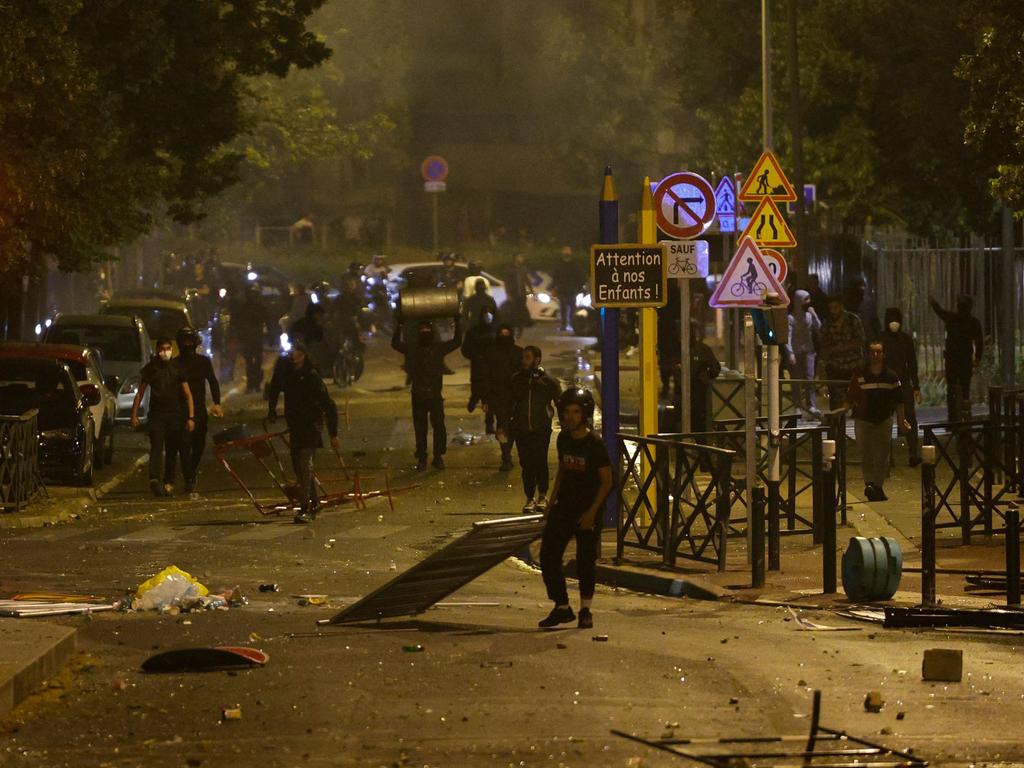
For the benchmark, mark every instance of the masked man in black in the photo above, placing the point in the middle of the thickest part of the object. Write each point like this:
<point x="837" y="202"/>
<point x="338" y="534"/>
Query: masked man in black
<point x="964" y="345"/>
<point x="501" y="362"/>
<point x="198" y="371"/>
<point x="534" y="396"/>
<point x="425" y="366"/>
<point x="306" y="407"/>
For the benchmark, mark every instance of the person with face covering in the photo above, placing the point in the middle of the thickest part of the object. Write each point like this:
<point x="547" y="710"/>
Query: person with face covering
<point x="171" y="415"/>
<point x="306" y="407"/>
<point x="425" y="366"/>
<point x="478" y="339"/>
<point x="481" y="304"/>
<point x="841" y="349"/>
<point x="535" y="395"/>
<point x="804" y="325"/>
<point x="964" y="345"/>
<point x="901" y="358"/>
<point x="501" y="362"/>
<point x="198" y="371"/>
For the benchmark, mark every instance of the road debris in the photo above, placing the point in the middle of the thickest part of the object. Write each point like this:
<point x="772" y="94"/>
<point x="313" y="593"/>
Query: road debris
<point x="945" y="665"/>
<point x="413" y="648"/>
<point x="812" y="626"/>
<point x="21" y="609"/>
<point x="873" y="702"/>
<point x="269" y="588"/>
<point x="233" y="713"/>
<point x="209" y="659"/>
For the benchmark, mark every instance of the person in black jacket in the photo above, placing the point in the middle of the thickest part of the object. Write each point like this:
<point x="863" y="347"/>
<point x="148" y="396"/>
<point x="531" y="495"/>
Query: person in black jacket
<point x="501" y="361"/>
<point x="704" y="367"/>
<point x="901" y="358"/>
<point x="425" y="366"/>
<point x="964" y="345"/>
<point x="568" y="281"/>
<point x="198" y="370"/>
<point x="170" y="415"/>
<point x="248" y="321"/>
<point x="535" y="394"/>
<point x="478" y="339"/>
<point x="306" y="407"/>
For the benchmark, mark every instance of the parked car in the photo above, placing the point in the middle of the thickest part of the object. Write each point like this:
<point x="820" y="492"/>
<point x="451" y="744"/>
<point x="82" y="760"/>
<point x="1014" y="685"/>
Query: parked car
<point x="542" y="305"/>
<point x="86" y="366"/>
<point x="124" y="345"/>
<point x="162" y="317"/>
<point x="65" y="420"/>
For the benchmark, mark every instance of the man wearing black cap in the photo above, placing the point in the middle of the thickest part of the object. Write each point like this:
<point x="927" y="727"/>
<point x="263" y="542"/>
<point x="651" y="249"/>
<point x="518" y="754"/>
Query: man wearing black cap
<point x="198" y="371"/>
<point x="306" y="407"/>
<point x="425" y="366"/>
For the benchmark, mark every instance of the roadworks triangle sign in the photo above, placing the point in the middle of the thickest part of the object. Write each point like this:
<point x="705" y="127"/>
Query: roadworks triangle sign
<point x="747" y="281"/>
<point x="767" y="180"/>
<point x="767" y="228"/>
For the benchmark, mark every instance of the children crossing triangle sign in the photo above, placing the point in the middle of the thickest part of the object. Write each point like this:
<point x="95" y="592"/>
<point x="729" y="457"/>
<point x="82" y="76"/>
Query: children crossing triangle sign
<point x="747" y="281"/>
<point x="767" y="180"/>
<point x="767" y="227"/>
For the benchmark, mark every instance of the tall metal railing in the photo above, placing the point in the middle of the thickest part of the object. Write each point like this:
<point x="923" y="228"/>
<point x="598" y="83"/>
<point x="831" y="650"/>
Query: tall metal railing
<point x="20" y="478"/>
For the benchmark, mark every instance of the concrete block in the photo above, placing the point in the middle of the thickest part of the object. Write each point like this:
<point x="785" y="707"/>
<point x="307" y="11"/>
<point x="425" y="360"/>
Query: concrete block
<point x="944" y="665"/>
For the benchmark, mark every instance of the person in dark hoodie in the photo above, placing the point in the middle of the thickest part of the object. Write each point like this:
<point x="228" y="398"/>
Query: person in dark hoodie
<point x="478" y="339"/>
<point x="964" y="345"/>
<point x="198" y="370"/>
<point x="306" y="407"/>
<point x="425" y="366"/>
<point x="901" y="358"/>
<point x="535" y="395"/>
<point x="501" y="362"/>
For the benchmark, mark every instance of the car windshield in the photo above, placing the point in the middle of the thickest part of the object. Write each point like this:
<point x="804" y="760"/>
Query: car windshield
<point x="429" y="275"/>
<point x="117" y="344"/>
<point x="27" y="384"/>
<point x="159" y="322"/>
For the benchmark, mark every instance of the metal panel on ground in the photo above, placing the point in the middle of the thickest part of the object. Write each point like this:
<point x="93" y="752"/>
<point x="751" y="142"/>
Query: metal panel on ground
<point x="489" y="542"/>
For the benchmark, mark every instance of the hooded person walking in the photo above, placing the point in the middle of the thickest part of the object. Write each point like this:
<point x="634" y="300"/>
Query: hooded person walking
<point x="501" y="361"/>
<point x="964" y="345"/>
<point x="901" y="358"/>
<point x="804" y="326"/>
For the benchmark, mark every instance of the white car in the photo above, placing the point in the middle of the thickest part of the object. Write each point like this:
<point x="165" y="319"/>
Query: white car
<point x="542" y="304"/>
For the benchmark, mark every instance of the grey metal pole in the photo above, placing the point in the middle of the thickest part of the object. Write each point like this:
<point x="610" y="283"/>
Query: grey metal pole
<point x="766" y="74"/>
<point x="1007" y="302"/>
<point x="774" y="458"/>
<point x="685" y="397"/>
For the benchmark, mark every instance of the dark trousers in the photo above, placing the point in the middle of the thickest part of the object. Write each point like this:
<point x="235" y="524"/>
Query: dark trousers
<point x="533" y="458"/>
<point x="559" y="530"/>
<point x="167" y="439"/>
<point x="302" y="463"/>
<point x="958" y="392"/>
<point x="433" y="410"/>
<point x="910" y="414"/>
<point x="252" y="351"/>
<point x="566" y="305"/>
<point x="196" y="441"/>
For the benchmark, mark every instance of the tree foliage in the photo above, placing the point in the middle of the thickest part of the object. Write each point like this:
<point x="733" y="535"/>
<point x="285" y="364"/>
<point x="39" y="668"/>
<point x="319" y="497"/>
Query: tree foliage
<point x="111" y="108"/>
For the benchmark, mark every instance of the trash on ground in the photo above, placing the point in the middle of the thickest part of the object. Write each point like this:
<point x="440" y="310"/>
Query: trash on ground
<point x="234" y="713"/>
<point x="22" y="609"/>
<point x="269" y="588"/>
<point x="413" y="648"/>
<point x="600" y="638"/>
<point x="172" y="586"/>
<point x="873" y="702"/>
<point x="991" y="618"/>
<point x="466" y="604"/>
<point x="945" y="665"/>
<point x="813" y="626"/>
<point x="501" y="664"/>
<point x="211" y="659"/>
<point x="312" y="599"/>
<point x="50" y="597"/>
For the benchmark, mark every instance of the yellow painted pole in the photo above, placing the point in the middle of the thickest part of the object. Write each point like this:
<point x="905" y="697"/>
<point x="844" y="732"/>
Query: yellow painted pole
<point x="648" y="235"/>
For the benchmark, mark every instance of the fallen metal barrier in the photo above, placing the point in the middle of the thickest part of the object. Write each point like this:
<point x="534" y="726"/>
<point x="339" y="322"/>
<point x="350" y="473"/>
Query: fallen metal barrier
<point x="674" y="499"/>
<point x="20" y="478"/>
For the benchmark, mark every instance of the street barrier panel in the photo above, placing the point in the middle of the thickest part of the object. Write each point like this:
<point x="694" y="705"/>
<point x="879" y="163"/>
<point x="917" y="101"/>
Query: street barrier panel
<point x="20" y="478"/>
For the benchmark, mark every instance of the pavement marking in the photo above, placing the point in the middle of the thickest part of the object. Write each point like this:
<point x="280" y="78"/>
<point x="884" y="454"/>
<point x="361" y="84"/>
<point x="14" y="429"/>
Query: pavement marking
<point x="155" y="533"/>
<point x="264" y="532"/>
<point x="371" y="531"/>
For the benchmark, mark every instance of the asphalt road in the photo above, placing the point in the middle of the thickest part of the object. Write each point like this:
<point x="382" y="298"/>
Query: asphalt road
<point x="488" y="688"/>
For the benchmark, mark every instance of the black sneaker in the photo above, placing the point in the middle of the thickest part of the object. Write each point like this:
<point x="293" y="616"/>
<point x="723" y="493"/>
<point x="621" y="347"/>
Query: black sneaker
<point x="869" y="492"/>
<point x="303" y="518"/>
<point x="880" y="494"/>
<point x="556" y="617"/>
<point x="437" y="463"/>
<point x="586" y="620"/>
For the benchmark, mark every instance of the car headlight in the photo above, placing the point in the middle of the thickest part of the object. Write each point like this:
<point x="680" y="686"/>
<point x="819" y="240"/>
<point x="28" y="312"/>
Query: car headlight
<point x="582" y="299"/>
<point x="286" y="345"/>
<point x="130" y="387"/>
<point x="544" y="298"/>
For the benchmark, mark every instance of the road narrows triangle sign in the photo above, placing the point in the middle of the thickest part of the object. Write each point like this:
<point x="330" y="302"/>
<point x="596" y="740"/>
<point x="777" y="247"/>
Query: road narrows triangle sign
<point x="767" y="180"/>
<point x="767" y="227"/>
<point x="746" y="281"/>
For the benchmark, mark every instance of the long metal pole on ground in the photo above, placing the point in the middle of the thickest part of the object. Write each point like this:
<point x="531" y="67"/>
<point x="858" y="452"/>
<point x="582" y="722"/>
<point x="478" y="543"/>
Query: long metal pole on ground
<point x="608" y="223"/>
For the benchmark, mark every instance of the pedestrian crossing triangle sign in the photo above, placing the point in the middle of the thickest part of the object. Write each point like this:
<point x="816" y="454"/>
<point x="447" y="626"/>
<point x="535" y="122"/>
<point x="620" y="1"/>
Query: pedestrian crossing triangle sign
<point x="747" y="281"/>
<point x="767" y="181"/>
<point x="767" y="227"/>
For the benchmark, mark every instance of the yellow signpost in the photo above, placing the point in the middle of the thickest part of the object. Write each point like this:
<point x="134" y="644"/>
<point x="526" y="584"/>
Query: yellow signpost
<point x="648" y="235"/>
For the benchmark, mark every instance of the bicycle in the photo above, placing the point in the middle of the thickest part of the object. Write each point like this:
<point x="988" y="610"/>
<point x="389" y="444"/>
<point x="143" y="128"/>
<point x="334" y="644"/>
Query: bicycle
<point x="682" y="266"/>
<point x="740" y="289"/>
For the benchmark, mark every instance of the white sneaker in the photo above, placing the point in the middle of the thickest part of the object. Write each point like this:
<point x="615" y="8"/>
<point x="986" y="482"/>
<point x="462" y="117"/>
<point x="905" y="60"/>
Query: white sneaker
<point x="541" y="504"/>
<point x="529" y="507"/>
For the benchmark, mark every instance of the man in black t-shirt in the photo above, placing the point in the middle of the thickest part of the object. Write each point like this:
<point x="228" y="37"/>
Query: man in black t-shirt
<point x="171" y="415"/>
<point x="583" y="481"/>
<point x="198" y="371"/>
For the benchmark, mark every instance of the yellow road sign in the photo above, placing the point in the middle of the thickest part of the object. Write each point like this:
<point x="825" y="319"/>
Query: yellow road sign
<point x="767" y="228"/>
<point x="767" y="180"/>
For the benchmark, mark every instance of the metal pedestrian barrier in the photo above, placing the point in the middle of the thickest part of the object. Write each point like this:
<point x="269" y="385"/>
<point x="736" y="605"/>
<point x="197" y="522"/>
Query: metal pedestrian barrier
<point x="20" y="478"/>
<point x="674" y="499"/>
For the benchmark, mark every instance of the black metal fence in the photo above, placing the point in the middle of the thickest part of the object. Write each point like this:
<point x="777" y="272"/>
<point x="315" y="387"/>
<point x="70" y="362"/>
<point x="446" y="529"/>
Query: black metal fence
<point x="727" y="395"/>
<point x="20" y="478"/>
<point x="674" y="499"/>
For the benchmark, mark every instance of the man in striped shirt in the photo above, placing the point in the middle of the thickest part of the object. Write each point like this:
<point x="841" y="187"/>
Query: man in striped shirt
<point x="874" y="393"/>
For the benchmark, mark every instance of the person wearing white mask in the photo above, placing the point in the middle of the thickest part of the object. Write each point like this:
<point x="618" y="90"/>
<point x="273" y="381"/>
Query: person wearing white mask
<point x="901" y="357"/>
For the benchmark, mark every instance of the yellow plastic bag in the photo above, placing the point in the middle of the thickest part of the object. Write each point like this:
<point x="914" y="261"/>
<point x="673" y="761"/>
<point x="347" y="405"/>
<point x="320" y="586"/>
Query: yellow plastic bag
<point x="171" y="570"/>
